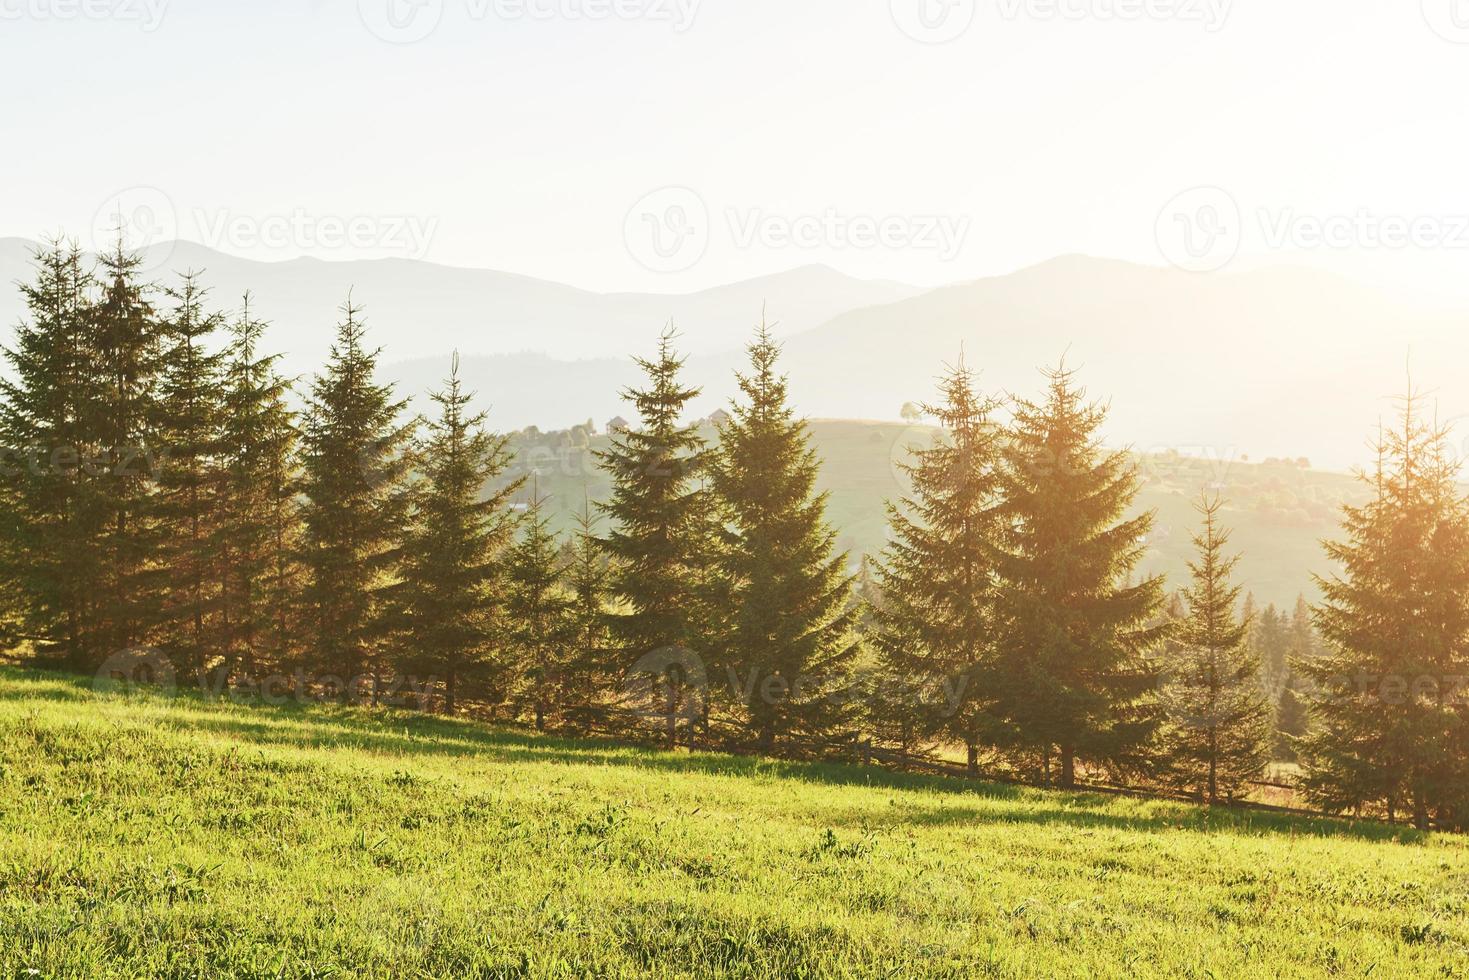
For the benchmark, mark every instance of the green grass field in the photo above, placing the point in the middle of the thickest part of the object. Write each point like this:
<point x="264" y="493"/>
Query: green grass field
<point x="173" y="837"/>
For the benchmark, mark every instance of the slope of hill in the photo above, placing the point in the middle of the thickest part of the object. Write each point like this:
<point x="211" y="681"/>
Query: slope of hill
<point x="1279" y="511"/>
<point x="154" y="836"/>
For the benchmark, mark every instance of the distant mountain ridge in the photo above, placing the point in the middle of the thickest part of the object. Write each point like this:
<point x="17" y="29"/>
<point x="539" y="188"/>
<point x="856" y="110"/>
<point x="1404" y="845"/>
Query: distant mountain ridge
<point x="415" y="307"/>
<point x="1275" y="361"/>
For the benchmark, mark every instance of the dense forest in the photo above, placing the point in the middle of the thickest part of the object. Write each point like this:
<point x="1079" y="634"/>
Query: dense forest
<point x="172" y="503"/>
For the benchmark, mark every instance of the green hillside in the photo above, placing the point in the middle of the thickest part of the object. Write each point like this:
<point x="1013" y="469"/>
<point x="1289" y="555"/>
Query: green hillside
<point x="173" y="837"/>
<point x="1280" y="511"/>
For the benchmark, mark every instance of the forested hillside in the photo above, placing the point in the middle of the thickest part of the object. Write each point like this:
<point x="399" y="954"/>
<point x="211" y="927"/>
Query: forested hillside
<point x="1280" y="509"/>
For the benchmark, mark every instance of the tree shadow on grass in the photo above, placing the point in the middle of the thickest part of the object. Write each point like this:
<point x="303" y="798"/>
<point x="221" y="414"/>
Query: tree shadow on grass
<point x="314" y="725"/>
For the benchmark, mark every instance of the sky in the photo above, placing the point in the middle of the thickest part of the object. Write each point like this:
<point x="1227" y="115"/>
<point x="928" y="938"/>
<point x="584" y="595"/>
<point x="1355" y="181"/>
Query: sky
<point x="672" y="145"/>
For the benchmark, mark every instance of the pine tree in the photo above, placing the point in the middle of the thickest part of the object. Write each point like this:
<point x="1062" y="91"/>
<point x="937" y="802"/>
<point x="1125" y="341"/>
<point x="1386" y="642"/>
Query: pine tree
<point x="54" y="524"/>
<point x="1219" y="717"/>
<point x="190" y="488"/>
<point x="259" y="517"/>
<point x="588" y="673"/>
<point x="1388" y="727"/>
<point x="353" y="467"/>
<point x="452" y="584"/>
<point x="937" y="626"/>
<point x="126" y="350"/>
<point x="537" y="613"/>
<point x="790" y="631"/>
<point x="1272" y="638"/>
<point x="660" y="529"/>
<point x="1074" y="673"/>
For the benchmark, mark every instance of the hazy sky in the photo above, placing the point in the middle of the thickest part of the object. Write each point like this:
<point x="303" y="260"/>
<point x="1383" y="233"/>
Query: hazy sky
<point x="672" y="144"/>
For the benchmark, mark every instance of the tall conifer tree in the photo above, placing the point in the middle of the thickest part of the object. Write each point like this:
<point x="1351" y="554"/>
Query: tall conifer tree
<point x="353" y="467"/>
<point x="452" y="571"/>
<point x="127" y="344"/>
<point x="55" y="522"/>
<point x="1074" y="671"/>
<point x="260" y="517"/>
<point x="790" y="633"/>
<point x="937" y="626"/>
<point x="1388" y="723"/>
<point x="1219" y="717"/>
<point x="190" y="501"/>
<point x="660" y="532"/>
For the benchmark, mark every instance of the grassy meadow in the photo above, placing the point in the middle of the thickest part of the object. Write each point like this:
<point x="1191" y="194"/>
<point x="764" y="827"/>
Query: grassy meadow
<point x="143" y="835"/>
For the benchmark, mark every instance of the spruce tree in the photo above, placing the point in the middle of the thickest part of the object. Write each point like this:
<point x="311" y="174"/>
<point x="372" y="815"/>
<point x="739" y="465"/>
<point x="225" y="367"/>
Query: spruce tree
<point x="353" y="467"/>
<point x="937" y="626"/>
<point x="1219" y="717"/>
<point x="537" y="613"/>
<point x="54" y="523"/>
<point x="452" y="576"/>
<point x="659" y="536"/>
<point x="1388" y="726"/>
<point x="259" y="516"/>
<point x="588" y="674"/>
<point x="790" y="629"/>
<point x="190" y="484"/>
<point x="1074" y="674"/>
<point x="121" y="413"/>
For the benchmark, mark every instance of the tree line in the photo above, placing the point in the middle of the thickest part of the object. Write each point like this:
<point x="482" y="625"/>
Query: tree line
<point x="165" y="487"/>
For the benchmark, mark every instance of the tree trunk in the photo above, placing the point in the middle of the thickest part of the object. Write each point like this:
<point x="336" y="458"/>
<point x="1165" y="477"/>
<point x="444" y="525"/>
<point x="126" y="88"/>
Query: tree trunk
<point x="973" y="760"/>
<point x="1068" y="766"/>
<point x="449" y="685"/>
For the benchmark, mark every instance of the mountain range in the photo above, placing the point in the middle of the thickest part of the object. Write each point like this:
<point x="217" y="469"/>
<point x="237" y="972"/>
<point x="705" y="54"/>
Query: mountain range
<point x="1277" y="361"/>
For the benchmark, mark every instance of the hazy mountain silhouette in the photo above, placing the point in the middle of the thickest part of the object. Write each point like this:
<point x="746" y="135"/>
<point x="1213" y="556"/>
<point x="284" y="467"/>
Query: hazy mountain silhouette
<point x="418" y="307"/>
<point x="1283" y="361"/>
